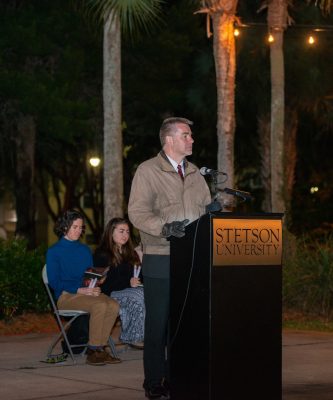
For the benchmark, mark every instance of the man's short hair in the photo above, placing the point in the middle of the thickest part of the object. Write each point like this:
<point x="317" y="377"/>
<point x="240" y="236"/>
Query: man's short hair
<point x="168" y="126"/>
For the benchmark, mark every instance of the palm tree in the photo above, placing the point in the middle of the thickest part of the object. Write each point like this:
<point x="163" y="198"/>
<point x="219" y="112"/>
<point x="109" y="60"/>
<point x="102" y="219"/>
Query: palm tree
<point x="112" y="95"/>
<point x="128" y="16"/>
<point x="277" y="20"/>
<point x="303" y="96"/>
<point x="223" y="13"/>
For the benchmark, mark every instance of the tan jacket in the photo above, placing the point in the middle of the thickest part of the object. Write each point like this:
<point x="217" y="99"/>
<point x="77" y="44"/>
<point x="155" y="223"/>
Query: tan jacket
<point x="158" y="195"/>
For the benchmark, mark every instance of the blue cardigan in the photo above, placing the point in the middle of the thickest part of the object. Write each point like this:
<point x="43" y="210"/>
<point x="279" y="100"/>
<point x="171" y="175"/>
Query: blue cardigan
<point x="66" y="262"/>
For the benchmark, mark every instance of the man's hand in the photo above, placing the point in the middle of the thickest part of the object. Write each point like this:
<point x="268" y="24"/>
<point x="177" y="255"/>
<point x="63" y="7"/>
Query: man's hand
<point x="213" y="206"/>
<point x="175" y="228"/>
<point x="96" y="291"/>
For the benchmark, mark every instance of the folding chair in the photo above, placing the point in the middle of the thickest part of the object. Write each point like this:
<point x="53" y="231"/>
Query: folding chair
<point x="69" y="316"/>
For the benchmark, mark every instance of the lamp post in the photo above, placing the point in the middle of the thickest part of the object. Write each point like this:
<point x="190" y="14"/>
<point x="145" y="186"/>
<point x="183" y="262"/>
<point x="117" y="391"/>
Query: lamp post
<point x="95" y="174"/>
<point x="95" y="195"/>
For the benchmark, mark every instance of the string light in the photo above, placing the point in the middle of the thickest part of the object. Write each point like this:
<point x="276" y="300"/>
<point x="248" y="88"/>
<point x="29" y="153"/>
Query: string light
<point x="311" y="40"/>
<point x="270" y="38"/>
<point x="314" y="189"/>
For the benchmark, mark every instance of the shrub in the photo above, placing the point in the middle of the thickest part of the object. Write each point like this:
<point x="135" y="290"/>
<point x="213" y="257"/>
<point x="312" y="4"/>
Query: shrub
<point x="21" y="286"/>
<point x="308" y="278"/>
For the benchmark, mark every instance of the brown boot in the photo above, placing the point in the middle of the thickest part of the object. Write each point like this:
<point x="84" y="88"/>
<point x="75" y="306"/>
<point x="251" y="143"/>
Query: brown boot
<point x="109" y="359"/>
<point x="137" y="345"/>
<point x="95" y="357"/>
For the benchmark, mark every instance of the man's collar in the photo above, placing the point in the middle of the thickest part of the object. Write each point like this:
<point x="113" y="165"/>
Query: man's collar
<point x="184" y="162"/>
<point x="174" y="163"/>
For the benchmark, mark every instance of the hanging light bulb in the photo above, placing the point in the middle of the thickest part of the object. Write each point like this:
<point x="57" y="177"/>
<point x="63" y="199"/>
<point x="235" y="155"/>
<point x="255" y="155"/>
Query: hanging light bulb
<point x="311" y="40"/>
<point x="270" y="38"/>
<point x="236" y="32"/>
<point x="314" y="189"/>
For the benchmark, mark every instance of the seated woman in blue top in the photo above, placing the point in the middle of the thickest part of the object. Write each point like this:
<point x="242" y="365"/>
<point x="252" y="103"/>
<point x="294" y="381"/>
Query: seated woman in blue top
<point x="123" y="281"/>
<point x="66" y="262"/>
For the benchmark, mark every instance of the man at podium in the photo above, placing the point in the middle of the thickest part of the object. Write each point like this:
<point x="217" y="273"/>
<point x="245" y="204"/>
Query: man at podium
<point x="167" y="193"/>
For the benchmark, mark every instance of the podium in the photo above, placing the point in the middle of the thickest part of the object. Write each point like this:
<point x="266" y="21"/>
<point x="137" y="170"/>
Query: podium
<point x="225" y="339"/>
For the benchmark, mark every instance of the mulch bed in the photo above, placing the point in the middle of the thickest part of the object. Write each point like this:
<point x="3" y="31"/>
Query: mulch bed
<point x="28" y="323"/>
<point x="45" y="323"/>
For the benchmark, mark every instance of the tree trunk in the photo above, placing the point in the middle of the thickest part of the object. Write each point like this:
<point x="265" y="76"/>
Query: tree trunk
<point x="277" y="21"/>
<point x="290" y="158"/>
<point x="265" y="160"/>
<point x="225" y="66"/>
<point x="113" y="150"/>
<point x="24" y="179"/>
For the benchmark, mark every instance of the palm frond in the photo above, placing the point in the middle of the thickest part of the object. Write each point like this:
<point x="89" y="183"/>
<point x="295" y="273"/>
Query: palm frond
<point x="134" y="15"/>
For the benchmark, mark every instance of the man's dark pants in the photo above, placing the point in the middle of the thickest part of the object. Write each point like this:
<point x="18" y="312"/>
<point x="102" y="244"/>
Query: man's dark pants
<point x="157" y="301"/>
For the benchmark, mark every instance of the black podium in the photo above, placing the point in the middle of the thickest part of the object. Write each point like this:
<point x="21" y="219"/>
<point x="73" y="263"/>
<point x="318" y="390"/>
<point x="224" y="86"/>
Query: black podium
<point x="226" y="309"/>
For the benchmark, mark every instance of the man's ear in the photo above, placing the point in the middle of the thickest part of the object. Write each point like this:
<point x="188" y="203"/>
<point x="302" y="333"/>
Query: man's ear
<point x="169" y="140"/>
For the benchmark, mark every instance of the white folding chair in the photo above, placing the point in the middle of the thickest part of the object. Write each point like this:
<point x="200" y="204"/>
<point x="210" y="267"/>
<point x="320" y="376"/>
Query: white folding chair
<point x="69" y="316"/>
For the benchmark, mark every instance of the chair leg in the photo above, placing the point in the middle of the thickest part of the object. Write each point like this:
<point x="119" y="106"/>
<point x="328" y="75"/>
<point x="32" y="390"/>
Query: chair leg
<point x="69" y="349"/>
<point x="113" y="347"/>
<point x="64" y="335"/>
<point x="53" y="344"/>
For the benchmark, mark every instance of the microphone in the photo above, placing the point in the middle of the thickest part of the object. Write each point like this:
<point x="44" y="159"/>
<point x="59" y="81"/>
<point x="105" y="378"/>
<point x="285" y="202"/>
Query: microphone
<point x="238" y="193"/>
<point x="207" y="171"/>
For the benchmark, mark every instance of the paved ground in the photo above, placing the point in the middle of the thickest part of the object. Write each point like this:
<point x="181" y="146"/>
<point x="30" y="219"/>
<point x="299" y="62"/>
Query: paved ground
<point x="307" y="371"/>
<point x="307" y="366"/>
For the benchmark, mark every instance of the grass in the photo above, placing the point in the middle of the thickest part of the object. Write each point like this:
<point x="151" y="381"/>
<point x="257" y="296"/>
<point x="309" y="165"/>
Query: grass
<point x="314" y="325"/>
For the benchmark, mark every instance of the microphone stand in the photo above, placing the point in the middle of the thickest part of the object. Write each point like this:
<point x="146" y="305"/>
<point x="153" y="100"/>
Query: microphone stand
<point x="245" y="196"/>
<point x="214" y="188"/>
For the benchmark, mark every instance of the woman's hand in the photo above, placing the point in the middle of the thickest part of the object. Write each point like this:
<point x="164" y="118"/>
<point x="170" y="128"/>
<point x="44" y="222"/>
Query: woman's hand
<point x="135" y="282"/>
<point x="96" y="291"/>
<point x="103" y="271"/>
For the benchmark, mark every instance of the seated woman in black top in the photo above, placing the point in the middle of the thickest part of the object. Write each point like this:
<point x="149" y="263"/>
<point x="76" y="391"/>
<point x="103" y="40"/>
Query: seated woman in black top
<point x="123" y="280"/>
